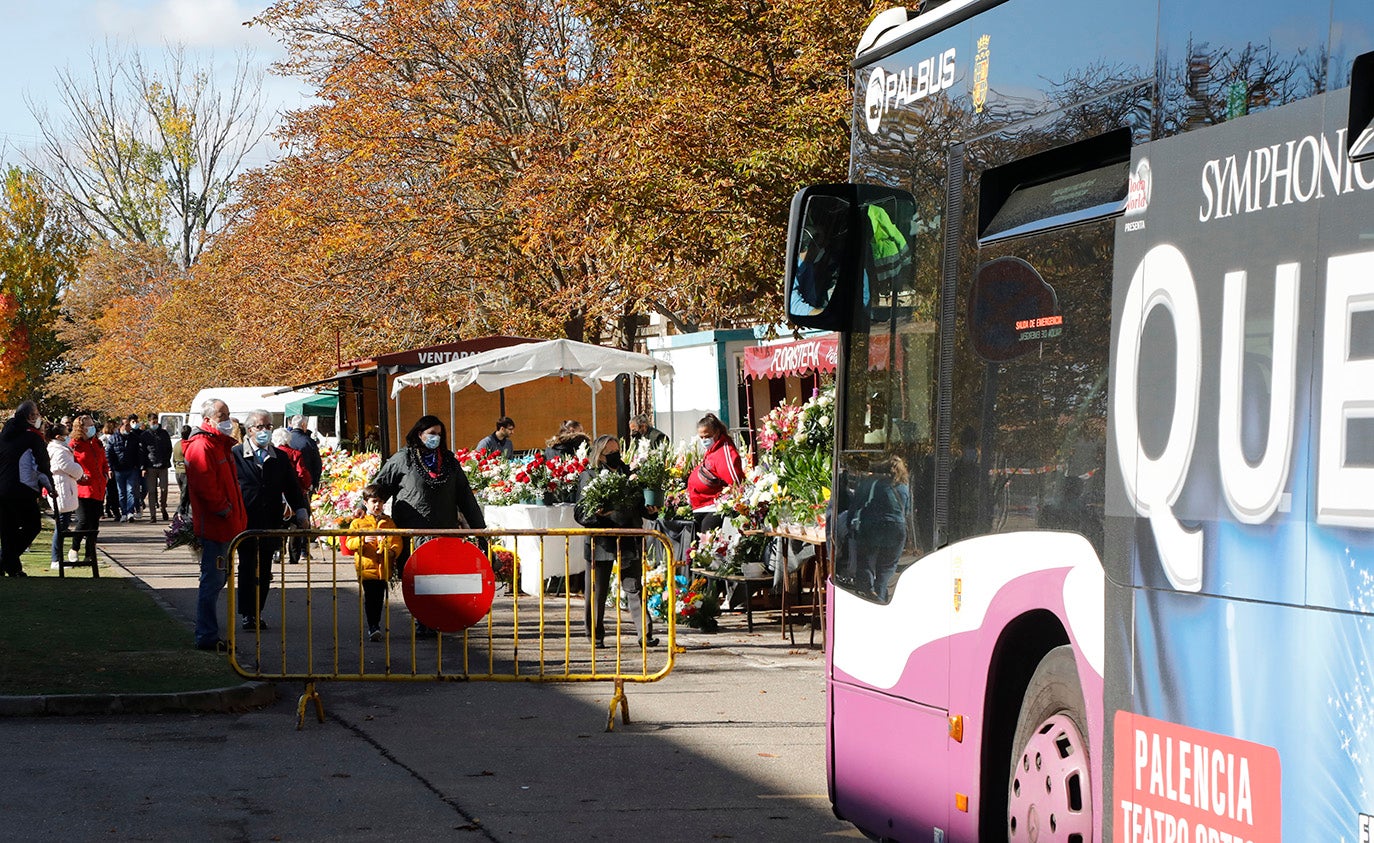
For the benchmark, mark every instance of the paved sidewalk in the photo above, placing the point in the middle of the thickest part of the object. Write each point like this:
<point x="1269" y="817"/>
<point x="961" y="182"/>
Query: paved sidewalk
<point x="729" y="746"/>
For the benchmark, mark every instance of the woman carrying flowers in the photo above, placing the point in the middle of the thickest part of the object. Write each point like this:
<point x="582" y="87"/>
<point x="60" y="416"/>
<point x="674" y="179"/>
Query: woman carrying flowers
<point x="719" y="469"/>
<point x="607" y="499"/>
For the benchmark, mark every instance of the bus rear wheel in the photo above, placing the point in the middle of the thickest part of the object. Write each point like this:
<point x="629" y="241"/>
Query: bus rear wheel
<point x="1049" y="793"/>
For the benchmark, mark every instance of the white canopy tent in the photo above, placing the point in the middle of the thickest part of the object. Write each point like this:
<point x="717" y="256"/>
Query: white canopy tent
<point x="503" y="367"/>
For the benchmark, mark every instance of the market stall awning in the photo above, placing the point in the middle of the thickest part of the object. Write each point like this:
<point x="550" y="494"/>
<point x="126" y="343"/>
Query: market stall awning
<point x="817" y="354"/>
<point x="323" y="404"/>
<point x="503" y="367"/>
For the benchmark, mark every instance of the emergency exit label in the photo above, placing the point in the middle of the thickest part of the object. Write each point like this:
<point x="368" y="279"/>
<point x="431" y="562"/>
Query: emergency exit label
<point x="1174" y="784"/>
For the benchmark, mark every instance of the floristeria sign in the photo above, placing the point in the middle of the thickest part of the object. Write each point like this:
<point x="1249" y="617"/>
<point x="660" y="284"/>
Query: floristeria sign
<point x="814" y="355"/>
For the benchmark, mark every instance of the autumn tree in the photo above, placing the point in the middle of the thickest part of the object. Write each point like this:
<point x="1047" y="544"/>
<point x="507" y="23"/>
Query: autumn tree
<point x="113" y="360"/>
<point x="147" y="155"/>
<point x="712" y="115"/>
<point x="39" y="252"/>
<point x="539" y="167"/>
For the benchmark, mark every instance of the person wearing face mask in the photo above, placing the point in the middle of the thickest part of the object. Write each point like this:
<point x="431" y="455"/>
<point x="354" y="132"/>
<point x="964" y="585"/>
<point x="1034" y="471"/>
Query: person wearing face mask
<point x="719" y="469"/>
<point x="90" y="490"/>
<point x="605" y="456"/>
<point x="427" y="487"/>
<point x="217" y="512"/>
<point x="24" y="470"/>
<point x="66" y="472"/>
<point x="266" y="477"/>
<point x="157" y="454"/>
<point x="125" y="454"/>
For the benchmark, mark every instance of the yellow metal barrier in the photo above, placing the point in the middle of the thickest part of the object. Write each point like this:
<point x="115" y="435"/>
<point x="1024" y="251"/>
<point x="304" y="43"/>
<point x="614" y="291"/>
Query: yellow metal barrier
<point x="293" y="638"/>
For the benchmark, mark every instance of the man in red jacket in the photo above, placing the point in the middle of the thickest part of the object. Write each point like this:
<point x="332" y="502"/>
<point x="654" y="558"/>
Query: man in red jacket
<point x="217" y="512"/>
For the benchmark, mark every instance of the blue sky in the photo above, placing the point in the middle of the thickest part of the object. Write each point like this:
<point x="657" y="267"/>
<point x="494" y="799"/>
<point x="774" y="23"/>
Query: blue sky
<point x="40" y="37"/>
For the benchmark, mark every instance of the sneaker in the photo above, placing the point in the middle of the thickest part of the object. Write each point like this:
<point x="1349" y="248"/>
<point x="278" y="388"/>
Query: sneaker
<point x="218" y="645"/>
<point x="54" y="566"/>
<point x="374" y="634"/>
<point x="652" y="641"/>
<point x="249" y="624"/>
<point x="71" y="557"/>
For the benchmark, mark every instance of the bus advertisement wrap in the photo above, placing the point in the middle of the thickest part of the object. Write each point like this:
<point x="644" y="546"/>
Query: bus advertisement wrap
<point x="1243" y="316"/>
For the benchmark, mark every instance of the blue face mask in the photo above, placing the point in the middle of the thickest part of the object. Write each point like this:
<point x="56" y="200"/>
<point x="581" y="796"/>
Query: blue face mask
<point x="262" y="437"/>
<point x="430" y="441"/>
<point x="90" y="432"/>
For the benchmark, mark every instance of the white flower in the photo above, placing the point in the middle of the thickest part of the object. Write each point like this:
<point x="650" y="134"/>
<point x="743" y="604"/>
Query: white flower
<point x="825" y="421"/>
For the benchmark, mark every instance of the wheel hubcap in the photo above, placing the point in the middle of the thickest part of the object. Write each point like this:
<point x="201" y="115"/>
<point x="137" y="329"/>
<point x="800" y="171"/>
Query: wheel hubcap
<point x="1049" y="797"/>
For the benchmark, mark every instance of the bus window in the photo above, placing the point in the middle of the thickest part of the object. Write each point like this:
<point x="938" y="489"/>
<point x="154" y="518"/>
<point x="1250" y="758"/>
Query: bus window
<point x="1030" y="386"/>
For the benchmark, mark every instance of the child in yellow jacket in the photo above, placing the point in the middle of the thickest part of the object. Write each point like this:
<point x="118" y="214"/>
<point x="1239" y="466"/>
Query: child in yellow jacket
<point x="373" y="556"/>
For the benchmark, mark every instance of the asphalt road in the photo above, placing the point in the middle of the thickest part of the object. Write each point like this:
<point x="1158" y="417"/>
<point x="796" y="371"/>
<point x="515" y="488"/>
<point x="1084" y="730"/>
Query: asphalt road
<point x="730" y="745"/>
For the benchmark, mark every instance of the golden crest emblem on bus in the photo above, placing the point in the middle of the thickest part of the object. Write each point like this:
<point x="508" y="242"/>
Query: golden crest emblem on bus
<point x="980" y="74"/>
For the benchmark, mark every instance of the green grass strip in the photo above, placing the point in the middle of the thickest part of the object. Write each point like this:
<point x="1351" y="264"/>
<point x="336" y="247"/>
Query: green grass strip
<point x="82" y="635"/>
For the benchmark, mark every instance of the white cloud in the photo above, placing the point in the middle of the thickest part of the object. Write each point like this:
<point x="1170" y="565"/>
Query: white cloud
<point x="199" y="24"/>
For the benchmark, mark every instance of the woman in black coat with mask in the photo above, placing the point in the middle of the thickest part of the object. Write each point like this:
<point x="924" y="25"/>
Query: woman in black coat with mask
<point x="605" y="455"/>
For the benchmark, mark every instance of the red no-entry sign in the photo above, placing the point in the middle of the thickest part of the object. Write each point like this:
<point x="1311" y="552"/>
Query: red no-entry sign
<point x="448" y="584"/>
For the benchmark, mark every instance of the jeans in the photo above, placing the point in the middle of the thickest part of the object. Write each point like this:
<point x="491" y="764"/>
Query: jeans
<point x="212" y="580"/>
<point x="59" y="535"/>
<point x="127" y="482"/>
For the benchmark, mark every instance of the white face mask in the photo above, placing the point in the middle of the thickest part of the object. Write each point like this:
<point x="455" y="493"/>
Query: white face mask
<point x="226" y="426"/>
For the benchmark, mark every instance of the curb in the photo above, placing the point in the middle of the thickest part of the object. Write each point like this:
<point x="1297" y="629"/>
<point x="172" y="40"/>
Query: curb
<point x="249" y="695"/>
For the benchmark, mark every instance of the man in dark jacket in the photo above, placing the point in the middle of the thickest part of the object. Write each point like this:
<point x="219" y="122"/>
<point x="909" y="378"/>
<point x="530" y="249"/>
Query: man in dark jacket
<point x="124" y="452"/>
<point x="157" y="455"/>
<point x="499" y="440"/>
<point x="20" y="520"/>
<point x="302" y="441"/>
<point x="267" y="479"/>
<point x="641" y="428"/>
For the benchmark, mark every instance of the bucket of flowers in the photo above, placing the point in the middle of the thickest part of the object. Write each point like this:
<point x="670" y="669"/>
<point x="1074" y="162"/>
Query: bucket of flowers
<point x="650" y="468"/>
<point x="562" y="482"/>
<point x="506" y="566"/>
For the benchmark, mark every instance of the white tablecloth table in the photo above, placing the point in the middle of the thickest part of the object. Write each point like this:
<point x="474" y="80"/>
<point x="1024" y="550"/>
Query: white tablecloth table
<point x="527" y="548"/>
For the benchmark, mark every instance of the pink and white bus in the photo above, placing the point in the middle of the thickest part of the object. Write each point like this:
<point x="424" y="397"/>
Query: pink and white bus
<point x="1103" y="521"/>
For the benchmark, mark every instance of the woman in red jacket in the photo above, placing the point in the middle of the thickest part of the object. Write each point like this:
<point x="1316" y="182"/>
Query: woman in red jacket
<point x="90" y="490"/>
<point x="719" y="469"/>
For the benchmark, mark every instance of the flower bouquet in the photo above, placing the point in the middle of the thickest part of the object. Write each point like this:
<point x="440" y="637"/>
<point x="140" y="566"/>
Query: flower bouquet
<point x="506" y="565"/>
<point x="179" y="533"/>
<point x="697" y="604"/>
<point x="712" y="551"/>
<point x="341" y="485"/>
<point x="655" y="591"/>
<point x="608" y="491"/>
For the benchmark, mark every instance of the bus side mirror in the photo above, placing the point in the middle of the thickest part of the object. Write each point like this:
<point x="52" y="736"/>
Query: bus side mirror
<point x="834" y="235"/>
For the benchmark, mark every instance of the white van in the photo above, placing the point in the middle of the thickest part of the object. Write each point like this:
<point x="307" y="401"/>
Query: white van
<point x="244" y="399"/>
